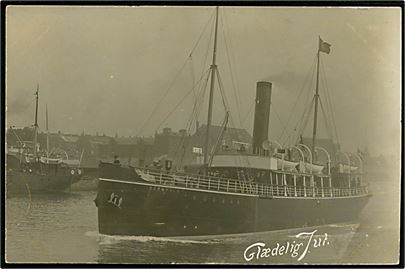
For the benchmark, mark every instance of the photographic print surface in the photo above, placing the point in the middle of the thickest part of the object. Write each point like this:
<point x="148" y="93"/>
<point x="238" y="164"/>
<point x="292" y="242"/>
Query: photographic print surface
<point x="203" y="135"/>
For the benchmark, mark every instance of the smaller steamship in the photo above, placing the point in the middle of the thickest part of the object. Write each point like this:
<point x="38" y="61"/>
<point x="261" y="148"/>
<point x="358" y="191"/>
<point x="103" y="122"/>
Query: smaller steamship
<point x="30" y="170"/>
<point x="233" y="193"/>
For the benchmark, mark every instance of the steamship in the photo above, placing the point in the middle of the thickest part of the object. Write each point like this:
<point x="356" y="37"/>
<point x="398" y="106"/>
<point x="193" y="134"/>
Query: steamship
<point x="29" y="170"/>
<point x="243" y="191"/>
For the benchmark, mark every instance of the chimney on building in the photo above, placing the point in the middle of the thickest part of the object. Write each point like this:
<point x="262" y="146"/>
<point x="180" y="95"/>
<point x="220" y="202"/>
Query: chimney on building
<point x="182" y="132"/>
<point x="262" y="115"/>
<point x="167" y="131"/>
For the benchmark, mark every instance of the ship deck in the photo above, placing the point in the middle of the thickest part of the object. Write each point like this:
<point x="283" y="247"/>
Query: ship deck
<point x="285" y="184"/>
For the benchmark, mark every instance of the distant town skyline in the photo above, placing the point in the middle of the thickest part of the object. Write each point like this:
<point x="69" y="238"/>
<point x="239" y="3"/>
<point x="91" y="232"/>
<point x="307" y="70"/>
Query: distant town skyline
<point x="104" y="69"/>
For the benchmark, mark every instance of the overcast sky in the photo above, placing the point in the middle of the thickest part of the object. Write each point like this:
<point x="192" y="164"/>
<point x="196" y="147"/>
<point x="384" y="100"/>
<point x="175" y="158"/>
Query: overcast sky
<point x="105" y="68"/>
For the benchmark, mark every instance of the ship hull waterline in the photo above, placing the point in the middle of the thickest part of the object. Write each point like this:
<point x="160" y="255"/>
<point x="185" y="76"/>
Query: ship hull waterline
<point x="18" y="182"/>
<point x="139" y="208"/>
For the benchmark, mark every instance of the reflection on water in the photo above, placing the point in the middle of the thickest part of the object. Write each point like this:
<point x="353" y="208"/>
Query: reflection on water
<point x="63" y="228"/>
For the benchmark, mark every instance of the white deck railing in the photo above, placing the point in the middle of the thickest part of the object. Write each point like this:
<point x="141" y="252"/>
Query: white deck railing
<point x="235" y="186"/>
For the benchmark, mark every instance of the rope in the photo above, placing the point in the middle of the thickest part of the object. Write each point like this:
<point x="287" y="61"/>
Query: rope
<point x="15" y="133"/>
<point x="235" y="90"/>
<point x="281" y="122"/>
<point x="194" y="116"/>
<point x="330" y="104"/>
<point x="326" y="121"/>
<point x="312" y="68"/>
<point x="192" y="73"/>
<point x="178" y="104"/>
<point x="224" y="99"/>
<point x="309" y="112"/>
<point x="172" y="82"/>
<point x="232" y="124"/>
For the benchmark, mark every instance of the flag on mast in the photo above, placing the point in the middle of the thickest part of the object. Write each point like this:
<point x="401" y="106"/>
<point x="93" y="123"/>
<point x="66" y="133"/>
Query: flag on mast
<point x="324" y="46"/>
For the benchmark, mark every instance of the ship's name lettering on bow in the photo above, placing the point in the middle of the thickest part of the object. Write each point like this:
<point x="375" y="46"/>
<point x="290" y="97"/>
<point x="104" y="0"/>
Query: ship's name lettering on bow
<point x="115" y="200"/>
<point x="295" y="249"/>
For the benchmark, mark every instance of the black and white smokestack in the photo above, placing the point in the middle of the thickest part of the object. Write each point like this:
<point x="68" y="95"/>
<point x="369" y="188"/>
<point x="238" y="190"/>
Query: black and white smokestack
<point x="262" y="115"/>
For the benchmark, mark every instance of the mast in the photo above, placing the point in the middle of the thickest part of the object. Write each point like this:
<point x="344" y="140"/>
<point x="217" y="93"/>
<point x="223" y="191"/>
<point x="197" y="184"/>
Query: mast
<point x="213" y="71"/>
<point x="47" y="135"/>
<point x="36" y="122"/>
<point x="316" y="97"/>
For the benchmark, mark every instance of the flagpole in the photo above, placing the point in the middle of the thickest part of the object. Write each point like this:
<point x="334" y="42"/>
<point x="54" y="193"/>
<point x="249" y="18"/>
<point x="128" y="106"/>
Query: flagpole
<point x="316" y="101"/>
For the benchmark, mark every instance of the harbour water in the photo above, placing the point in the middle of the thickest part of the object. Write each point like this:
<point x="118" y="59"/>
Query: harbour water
<point x="62" y="228"/>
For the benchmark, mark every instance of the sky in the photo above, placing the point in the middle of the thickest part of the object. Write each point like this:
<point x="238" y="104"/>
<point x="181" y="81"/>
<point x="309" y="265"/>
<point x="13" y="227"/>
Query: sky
<point x="124" y="70"/>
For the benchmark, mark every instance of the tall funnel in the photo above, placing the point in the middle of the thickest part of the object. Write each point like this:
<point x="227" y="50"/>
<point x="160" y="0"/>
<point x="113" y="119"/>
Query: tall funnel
<point x="262" y="115"/>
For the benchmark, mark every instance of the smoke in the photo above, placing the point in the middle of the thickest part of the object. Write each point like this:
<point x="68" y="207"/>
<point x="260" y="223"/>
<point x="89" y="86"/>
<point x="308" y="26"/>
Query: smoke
<point x="19" y="106"/>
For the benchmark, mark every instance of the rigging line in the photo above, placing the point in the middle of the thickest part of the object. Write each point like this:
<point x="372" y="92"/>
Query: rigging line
<point x="195" y="46"/>
<point x="325" y="119"/>
<point x="304" y="123"/>
<point x="232" y="60"/>
<point x="179" y="103"/>
<point x="171" y="84"/>
<point x="281" y="122"/>
<point x="232" y="124"/>
<point x="206" y="57"/>
<point x="15" y="133"/>
<point x="327" y="97"/>
<point x="299" y="123"/>
<point x="192" y="73"/>
<point x="308" y="116"/>
<point x="330" y="103"/>
<point x="157" y="106"/>
<point x="328" y="113"/>
<point x="309" y="94"/>
<point x="221" y="89"/>
<point x="329" y="106"/>
<point x="250" y="110"/>
<point x="224" y="99"/>
<point x="197" y="103"/>
<point x="308" y="75"/>
<point x="202" y="33"/>
<point x="237" y="99"/>
<point x="195" y="112"/>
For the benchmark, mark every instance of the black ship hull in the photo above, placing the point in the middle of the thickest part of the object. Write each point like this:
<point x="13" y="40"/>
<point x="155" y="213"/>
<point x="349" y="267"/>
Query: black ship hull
<point x="38" y="178"/>
<point x="24" y="183"/>
<point x="131" y="206"/>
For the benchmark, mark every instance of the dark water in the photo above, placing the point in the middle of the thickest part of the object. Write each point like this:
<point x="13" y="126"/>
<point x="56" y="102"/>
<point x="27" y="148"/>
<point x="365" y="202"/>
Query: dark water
<point x="63" y="228"/>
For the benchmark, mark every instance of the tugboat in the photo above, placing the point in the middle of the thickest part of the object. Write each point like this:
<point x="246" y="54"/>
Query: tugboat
<point x="227" y="194"/>
<point x="30" y="170"/>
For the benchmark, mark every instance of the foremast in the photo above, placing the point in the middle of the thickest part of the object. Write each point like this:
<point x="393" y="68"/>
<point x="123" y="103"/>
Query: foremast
<point x="36" y="122"/>
<point x="213" y="71"/>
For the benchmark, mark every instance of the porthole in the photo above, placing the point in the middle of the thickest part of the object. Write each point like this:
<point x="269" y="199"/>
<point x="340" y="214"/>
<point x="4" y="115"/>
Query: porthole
<point x="214" y="200"/>
<point x="223" y="200"/>
<point x="194" y="198"/>
<point x="205" y="198"/>
<point x="231" y="201"/>
<point x="237" y="202"/>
